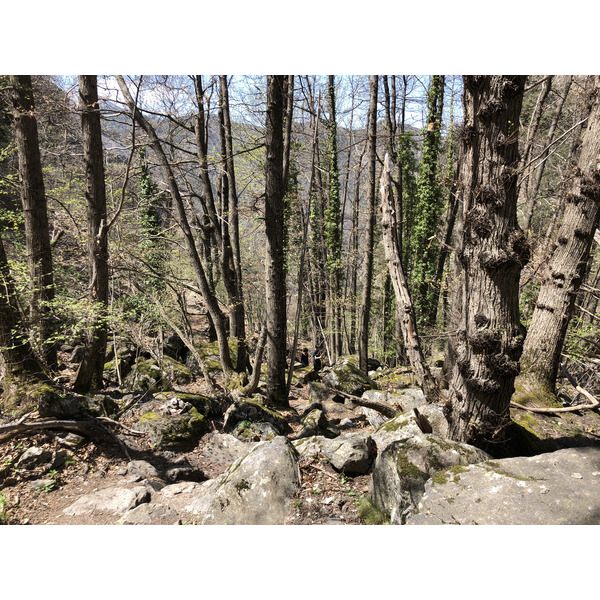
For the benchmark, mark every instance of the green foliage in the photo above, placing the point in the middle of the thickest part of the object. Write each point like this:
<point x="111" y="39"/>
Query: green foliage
<point x="429" y="205"/>
<point x="152" y="247"/>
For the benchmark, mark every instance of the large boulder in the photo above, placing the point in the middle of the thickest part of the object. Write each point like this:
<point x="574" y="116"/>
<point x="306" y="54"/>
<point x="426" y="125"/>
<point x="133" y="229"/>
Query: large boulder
<point x="254" y="412"/>
<point x="205" y="405"/>
<point x="147" y="375"/>
<point x="558" y="488"/>
<point x="177" y="372"/>
<point x="405" y="425"/>
<point x="223" y="448"/>
<point x="402" y="469"/>
<point x="347" y="377"/>
<point x="351" y="453"/>
<point x="257" y="489"/>
<point x="150" y="514"/>
<point x="174" y="432"/>
<point x="111" y="501"/>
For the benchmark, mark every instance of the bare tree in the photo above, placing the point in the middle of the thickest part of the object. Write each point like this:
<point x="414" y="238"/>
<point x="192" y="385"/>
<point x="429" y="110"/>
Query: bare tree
<point x="91" y="369"/>
<point x="275" y="263"/>
<point x="35" y="209"/>
<point x="566" y="267"/>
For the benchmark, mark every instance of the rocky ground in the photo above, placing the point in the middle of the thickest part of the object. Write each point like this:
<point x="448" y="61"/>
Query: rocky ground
<point x="79" y="466"/>
<point x="38" y="496"/>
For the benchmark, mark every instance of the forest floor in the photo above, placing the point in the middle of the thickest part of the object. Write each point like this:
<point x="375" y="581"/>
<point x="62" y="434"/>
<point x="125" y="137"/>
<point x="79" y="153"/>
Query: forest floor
<point x="325" y="496"/>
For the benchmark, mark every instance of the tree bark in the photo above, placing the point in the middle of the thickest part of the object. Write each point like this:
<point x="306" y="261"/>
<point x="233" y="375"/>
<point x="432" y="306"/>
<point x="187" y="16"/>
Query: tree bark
<point x="238" y="312"/>
<point x="486" y="341"/>
<point x="35" y="209"/>
<point x="406" y="311"/>
<point x="91" y="369"/>
<point x="275" y="263"/>
<point x="365" y="310"/>
<point x="566" y="267"/>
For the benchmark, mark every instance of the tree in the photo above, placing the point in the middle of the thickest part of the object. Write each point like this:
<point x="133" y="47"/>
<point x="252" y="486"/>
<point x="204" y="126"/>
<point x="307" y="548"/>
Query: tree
<point x="365" y="309"/>
<point x="35" y="209"/>
<point x="183" y="222"/>
<point x="275" y="291"/>
<point x="91" y="368"/>
<point x="486" y="337"/>
<point x="24" y="380"/>
<point x="428" y="209"/>
<point x="566" y="268"/>
<point x="333" y="226"/>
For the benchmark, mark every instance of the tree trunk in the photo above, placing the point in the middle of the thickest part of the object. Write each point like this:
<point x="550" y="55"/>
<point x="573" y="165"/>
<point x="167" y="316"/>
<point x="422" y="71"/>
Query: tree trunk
<point x="566" y="268"/>
<point x="365" y="310"/>
<point x="35" y="209"/>
<point x="237" y="313"/>
<point x="23" y="373"/>
<point x="91" y="369"/>
<point x="486" y="341"/>
<point x="389" y="226"/>
<point x="275" y="267"/>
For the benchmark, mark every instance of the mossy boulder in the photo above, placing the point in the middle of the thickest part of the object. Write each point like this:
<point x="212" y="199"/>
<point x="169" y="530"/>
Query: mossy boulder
<point x="174" y="432"/>
<point x="177" y="372"/>
<point x="347" y="377"/>
<point x="246" y="431"/>
<point x="147" y="375"/>
<point x="255" y="412"/>
<point x="402" y="469"/>
<point x="205" y="405"/>
<point x="209" y="352"/>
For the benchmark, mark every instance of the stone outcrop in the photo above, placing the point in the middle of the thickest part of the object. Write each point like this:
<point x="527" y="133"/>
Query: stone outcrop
<point x="557" y="488"/>
<point x="257" y="489"/>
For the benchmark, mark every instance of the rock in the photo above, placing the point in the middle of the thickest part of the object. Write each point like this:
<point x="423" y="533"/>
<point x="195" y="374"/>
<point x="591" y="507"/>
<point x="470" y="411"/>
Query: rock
<point x="304" y="375"/>
<point x="184" y="473"/>
<point x="174" y="347"/>
<point x="177" y="372"/>
<point x="347" y="377"/>
<point x="373" y="364"/>
<point x="126" y="358"/>
<point x="141" y="468"/>
<point x="223" y="448"/>
<point x="257" y="489"/>
<point x="63" y="406"/>
<point x="72" y="440"/>
<point x="319" y="393"/>
<point x="42" y="485"/>
<point x="205" y="405"/>
<point x="150" y="514"/>
<point x="557" y="488"/>
<point x="102" y="405"/>
<point x="314" y="423"/>
<point x="34" y="457"/>
<point x="255" y="412"/>
<point x="147" y="375"/>
<point x="346" y="423"/>
<point x="77" y="355"/>
<point x="351" y="453"/>
<point x="403" y="467"/>
<point x="180" y="432"/>
<point x="112" y="501"/>
<point x="404" y="426"/>
<point x="254" y="432"/>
